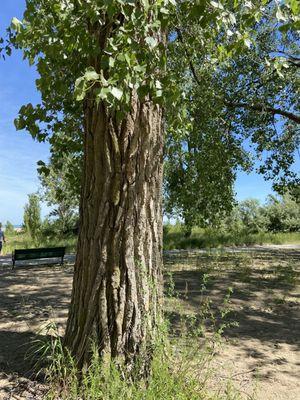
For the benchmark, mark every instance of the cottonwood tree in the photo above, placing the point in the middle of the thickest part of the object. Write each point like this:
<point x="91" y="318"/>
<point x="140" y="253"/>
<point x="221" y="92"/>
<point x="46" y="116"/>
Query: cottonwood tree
<point x="113" y="56"/>
<point x="242" y="114"/>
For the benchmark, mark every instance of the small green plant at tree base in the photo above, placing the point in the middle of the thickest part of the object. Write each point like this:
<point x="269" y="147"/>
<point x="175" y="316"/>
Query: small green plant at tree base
<point x="180" y="368"/>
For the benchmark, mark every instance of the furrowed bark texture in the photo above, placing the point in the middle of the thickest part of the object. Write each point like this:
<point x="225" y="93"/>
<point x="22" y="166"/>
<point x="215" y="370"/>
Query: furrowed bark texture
<point x="117" y="277"/>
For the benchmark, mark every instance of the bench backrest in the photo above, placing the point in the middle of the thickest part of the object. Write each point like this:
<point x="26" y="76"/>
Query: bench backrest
<point x="29" y="254"/>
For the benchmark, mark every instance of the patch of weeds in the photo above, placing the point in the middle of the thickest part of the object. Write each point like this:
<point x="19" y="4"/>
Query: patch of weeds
<point x="180" y="368"/>
<point x="176" y="374"/>
<point x="53" y="363"/>
<point x="287" y="274"/>
<point x="209" y="320"/>
<point x="169" y="285"/>
<point x="243" y="266"/>
<point x="210" y="263"/>
<point x="280" y="300"/>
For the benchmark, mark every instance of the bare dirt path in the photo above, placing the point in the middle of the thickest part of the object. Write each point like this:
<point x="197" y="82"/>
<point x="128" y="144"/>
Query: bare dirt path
<point x="261" y="354"/>
<point x="30" y="297"/>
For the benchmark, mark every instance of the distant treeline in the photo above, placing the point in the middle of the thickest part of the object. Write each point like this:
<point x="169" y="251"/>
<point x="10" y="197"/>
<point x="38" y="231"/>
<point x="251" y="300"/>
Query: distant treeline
<point x="278" y="214"/>
<point x="250" y="222"/>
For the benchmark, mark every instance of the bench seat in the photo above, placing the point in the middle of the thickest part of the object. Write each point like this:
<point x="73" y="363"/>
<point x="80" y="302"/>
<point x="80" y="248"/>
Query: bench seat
<point x="32" y="254"/>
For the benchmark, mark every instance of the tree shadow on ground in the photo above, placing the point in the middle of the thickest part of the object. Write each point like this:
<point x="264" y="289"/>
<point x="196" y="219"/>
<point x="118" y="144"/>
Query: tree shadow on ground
<point x="253" y="306"/>
<point x="21" y="375"/>
<point x="264" y="303"/>
<point x="17" y="352"/>
<point x="30" y="298"/>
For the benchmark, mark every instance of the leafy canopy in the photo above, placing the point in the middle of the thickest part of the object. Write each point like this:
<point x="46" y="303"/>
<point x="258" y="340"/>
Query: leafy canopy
<point x="208" y="62"/>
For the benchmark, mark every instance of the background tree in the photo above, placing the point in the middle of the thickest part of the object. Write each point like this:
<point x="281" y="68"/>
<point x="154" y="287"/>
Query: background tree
<point x="278" y="214"/>
<point x="60" y="182"/>
<point x="9" y="228"/>
<point x="240" y="113"/>
<point x="32" y="216"/>
<point x="253" y="216"/>
<point x="283" y="214"/>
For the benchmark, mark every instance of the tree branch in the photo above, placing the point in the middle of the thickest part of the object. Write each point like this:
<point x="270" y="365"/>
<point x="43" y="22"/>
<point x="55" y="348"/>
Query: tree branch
<point x="254" y="107"/>
<point x="264" y="108"/>
<point x="191" y="65"/>
<point x="290" y="58"/>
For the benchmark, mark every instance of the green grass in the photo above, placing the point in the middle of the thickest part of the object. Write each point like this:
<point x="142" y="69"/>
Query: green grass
<point x="24" y="241"/>
<point x="209" y="238"/>
<point x="173" y="239"/>
<point x="181" y="367"/>
<point x="180" y="370"/>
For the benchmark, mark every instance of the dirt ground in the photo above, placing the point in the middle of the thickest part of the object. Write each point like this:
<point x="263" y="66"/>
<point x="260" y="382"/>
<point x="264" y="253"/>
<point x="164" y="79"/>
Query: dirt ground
<point x="261" y="355"/>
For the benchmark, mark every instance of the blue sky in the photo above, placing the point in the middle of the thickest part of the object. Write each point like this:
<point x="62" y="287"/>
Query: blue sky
<point x="19" y="153"/>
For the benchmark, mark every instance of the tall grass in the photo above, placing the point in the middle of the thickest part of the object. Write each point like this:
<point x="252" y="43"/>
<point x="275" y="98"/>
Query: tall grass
<point x="173" y="239"/>
<point x="102" y="381"/>
<point x="180" y="368"/>
<point x="23" y="240"/>
<point x="179" y="371"/>
<point x="209" y="238"/>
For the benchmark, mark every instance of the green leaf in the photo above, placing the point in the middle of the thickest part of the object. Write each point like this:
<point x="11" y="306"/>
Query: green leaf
<point x="164" y="10"/>
<point x="279" y="15"/>
<point x="247" y="43"/>
<point x="218" y="5"/>
<point x="117" y="93"/>
<point x="80" y="87"/>
<point x="295" y="6"/>
<point x="19" y="124"/>
<point x="101" y="94"/>
<point x="151" y="41"/>
<point x="16" y="24"/>
<point x="158" y="84"/>
<point x="232" y="18"/>
<point x="91" y="75"/>
<point x="145" y="3"/>
<point x="111" y="62"/>
<point x="127" y="58"/>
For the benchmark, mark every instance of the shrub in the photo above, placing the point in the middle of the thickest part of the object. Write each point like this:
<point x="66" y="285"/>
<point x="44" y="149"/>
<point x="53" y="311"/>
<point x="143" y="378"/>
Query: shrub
<point x="9" y="228"/>
<point x="32" y="216"/>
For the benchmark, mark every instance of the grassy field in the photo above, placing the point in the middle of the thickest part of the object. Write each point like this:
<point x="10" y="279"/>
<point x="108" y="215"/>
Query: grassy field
<point x="208" y="238"/>
<point x="24" y="241"/>
<point x="173" y="239"/>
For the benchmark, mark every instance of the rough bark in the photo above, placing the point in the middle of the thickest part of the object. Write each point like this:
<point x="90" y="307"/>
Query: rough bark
<point x="117" y="276"/>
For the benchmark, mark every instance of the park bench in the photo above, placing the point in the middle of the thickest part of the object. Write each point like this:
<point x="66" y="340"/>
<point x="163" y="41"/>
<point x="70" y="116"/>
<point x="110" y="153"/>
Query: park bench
<point x="31" y="254"/>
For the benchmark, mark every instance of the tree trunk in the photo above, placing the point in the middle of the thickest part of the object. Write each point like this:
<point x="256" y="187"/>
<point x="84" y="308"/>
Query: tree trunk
<point x="117" y="277"/>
